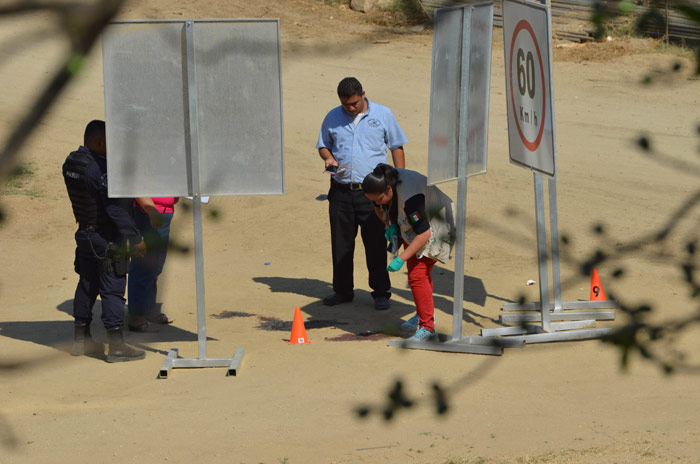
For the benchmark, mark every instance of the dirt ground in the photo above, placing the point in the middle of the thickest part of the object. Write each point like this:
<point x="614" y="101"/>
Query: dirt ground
<point x="545" y="403"/>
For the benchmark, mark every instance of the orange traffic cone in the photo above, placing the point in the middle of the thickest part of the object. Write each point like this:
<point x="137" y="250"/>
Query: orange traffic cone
<point x="298" y="330"/>
<point x="597" y="292"/>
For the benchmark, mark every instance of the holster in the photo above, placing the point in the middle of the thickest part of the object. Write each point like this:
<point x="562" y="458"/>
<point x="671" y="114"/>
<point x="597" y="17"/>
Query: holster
<point x="117" y="260"/>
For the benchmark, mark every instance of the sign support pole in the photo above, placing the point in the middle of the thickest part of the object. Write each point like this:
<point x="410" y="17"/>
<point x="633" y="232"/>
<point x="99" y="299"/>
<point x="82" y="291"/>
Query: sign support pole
<point x="522" y="17"/>
<point x="554" y="244"/>
<point x="542" y="250"/>
<point x="192" y="146"/>
<point x="553" y="218"/>
<point x="463" y="51"/>
<point x="461" y="224"/>
<point x="461" y="219"/>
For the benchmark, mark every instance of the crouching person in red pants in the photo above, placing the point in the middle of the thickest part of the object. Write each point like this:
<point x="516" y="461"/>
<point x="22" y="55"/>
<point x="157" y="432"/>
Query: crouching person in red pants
<point x="422" y="217"/>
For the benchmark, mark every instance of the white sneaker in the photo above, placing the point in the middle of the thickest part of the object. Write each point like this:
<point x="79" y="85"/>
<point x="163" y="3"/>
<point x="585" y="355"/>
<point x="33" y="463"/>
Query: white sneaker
<point x="424" y="335"/>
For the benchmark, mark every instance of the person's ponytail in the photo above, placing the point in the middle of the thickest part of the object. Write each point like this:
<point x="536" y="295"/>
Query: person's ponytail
<point x="377" y="181"/>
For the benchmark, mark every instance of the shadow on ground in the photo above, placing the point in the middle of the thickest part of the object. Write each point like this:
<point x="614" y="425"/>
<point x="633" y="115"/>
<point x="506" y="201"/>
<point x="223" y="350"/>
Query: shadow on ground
<point x="58" y="334"/>
<point x="359" y="318"/>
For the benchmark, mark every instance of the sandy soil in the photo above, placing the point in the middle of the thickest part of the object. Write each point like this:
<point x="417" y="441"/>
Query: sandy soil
<point x="565" y="402"/>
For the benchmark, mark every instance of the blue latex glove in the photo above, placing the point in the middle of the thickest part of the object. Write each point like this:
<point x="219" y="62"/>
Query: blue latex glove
<point x="391" y="231"/>
<point x="395" y="265"/>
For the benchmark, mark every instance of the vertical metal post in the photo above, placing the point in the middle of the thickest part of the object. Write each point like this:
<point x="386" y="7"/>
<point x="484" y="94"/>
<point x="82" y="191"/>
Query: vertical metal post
<point x="542" y="250"/>
<point x="552" y="190"/>
<point x="196" y="195"/>
<point x="554" y="244"/>
<point x="667" y="23"/>
<point x="458" y="308"/>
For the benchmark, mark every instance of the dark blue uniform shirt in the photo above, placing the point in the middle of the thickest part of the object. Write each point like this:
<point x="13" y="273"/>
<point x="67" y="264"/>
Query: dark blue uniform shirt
<point x="121" y="224"/>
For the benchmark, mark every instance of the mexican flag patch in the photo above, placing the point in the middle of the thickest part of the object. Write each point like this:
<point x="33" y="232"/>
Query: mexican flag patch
<point x="414" y="217"/>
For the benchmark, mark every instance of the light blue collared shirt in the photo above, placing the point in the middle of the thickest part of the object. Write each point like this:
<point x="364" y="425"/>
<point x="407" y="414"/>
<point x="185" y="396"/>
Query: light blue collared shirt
<point x="359" y="149"/>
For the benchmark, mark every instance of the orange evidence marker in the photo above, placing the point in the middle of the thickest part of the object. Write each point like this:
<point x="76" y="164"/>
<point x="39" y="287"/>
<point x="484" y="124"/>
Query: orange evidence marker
<point x="597" y="292"/>
<point x="298" y="330"/>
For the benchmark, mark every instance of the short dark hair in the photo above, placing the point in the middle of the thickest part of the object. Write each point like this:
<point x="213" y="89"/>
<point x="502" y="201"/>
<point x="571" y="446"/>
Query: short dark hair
<point x="94" y="131"/>
<point x="349" y="87"/>
<point x="377" y="181"/>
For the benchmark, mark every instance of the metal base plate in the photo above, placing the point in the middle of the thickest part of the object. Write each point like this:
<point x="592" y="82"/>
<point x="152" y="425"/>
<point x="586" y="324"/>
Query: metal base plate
<point x="535" y="306"/>
<point x="450" y="346"/>
<point x="568" y="316"/>
<point x="534" y="329"/>
<point x="173" y="362"/>
<point x="546" y="337"/>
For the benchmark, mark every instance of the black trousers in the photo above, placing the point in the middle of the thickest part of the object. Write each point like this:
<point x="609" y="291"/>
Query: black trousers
<point x="93" y="282"/>
<point x="347" y="210"/>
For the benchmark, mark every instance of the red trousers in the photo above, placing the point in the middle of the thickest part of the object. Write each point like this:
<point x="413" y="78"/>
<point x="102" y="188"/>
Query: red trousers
<point x="421" y="283"/>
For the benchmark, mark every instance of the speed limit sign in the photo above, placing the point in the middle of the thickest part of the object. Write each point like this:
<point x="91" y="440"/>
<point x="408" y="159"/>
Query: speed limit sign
<point x="527" y="42"/>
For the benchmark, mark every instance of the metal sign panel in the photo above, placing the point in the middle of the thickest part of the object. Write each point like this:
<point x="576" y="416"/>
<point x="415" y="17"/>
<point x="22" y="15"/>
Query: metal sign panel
<point x="239" y="107"/>
<point x="528" y="44"/>
<point x="444" y="96"/>
<point x="238" y="100"/>
<point x="481" y="31"/>
<point x="460" y="85"/>
<point x="144" y="109"/>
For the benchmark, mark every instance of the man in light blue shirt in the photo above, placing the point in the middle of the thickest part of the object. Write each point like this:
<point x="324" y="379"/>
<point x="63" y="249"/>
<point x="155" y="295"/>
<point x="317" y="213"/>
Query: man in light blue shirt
<point x="354" y="138"/>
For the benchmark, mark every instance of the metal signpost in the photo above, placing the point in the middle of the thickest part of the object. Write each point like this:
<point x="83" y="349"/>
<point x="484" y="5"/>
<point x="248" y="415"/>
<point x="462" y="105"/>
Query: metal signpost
<point x="459" y="114"/>
<point x="532" y="143"/>
<point x="194" y="108"/>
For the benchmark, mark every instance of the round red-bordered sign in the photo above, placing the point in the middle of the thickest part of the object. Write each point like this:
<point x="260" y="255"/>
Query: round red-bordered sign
<point x="524" y="25"/>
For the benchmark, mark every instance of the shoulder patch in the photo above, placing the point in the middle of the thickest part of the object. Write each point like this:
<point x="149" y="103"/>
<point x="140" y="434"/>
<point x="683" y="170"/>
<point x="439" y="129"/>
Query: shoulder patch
<point x="73" y="175"/>
<point x="414" y="217"/>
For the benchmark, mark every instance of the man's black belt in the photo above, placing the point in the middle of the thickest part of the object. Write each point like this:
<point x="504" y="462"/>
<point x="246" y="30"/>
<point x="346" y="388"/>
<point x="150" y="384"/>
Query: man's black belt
<point x="348" y="186"/>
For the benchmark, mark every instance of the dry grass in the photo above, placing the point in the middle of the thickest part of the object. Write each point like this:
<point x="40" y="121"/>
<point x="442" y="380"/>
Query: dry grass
<point x="615" y="48"/>
<point x="400" y="13"/>
<point x="642" y="452"/>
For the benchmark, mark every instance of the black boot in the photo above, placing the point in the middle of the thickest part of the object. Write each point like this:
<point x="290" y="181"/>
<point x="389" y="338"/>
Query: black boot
<point x="120" y="351"/>
<point x="83" y="342"/>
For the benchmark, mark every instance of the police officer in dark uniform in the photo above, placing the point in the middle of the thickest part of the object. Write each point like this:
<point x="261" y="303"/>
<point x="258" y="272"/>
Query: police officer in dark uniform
<point x="105" y="231"/>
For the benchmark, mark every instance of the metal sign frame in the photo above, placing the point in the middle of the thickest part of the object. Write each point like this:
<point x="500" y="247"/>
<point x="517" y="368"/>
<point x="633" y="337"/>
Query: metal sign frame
<point x="577" y="325"/>
<point x="241" y="140"/>
<point x="460" y="92"/>
<point x="192" y="153"/>
<point x="473" y="77"/>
